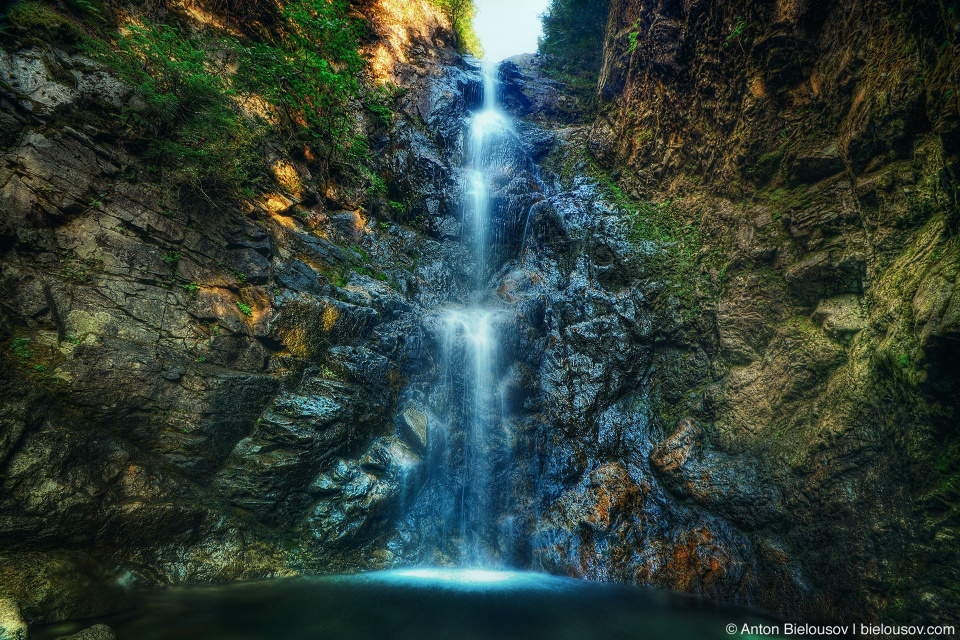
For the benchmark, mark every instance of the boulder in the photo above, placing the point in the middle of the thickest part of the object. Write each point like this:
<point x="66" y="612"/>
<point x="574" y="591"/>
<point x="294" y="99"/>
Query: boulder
<point x="12" y="624"/>
<point x="415" y="427"/>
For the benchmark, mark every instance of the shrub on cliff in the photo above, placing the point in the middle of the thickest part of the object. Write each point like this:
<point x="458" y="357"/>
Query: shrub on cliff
<point x="310" y="73"/>
<point x="196" y="135"/>
<point x="307" y="72"/>
<point x="461" y="14"/>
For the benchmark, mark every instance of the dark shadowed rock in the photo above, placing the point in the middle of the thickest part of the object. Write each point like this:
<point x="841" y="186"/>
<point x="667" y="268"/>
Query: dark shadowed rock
<point x="96" y="632"/>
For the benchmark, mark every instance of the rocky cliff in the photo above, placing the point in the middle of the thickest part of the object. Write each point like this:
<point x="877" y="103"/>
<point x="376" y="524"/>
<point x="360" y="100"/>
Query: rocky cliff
<point x="800" y="160"/>
<point x="180" y="367"/>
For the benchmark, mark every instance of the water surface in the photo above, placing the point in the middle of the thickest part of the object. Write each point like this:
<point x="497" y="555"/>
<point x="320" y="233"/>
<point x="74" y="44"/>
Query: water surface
<point x="425" y="604"/>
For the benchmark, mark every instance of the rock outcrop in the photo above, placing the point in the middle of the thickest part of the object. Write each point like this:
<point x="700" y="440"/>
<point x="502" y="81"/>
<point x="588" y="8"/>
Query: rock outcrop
<point x="96" y="632"/>
<point x="12" y="624"/>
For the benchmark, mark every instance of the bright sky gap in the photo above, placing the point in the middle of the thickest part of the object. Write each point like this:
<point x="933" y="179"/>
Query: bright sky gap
<point x="508" y="27"/>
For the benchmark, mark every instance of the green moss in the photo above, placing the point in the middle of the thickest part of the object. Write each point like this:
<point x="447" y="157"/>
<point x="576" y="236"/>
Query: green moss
<point x="19" y="348"/>
<point x="39" y="17"/>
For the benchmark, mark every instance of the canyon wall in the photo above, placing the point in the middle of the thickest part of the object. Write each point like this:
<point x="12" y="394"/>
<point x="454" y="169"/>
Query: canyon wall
<point x="179" y="367"/>
<point x="801" y="160"/>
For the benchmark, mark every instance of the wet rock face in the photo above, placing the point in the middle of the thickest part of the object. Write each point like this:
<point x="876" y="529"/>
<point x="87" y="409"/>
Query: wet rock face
<point x="198" y="393"/>
<point x="363" y="497"/>
<point x="824" y="221"/>
<point x="596" y="489"/>
<point x="528" y="92"/>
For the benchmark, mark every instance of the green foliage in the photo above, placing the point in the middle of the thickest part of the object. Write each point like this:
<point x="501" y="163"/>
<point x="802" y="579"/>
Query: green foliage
<point x="461" y="14"/>
<point x="380" y="100"/>
<point x="574" y="30"/>
<point x="309" y="73"/>
<point x="363" y="271"/>
<point x="736" y="31"/>
<point x="245" y="309"/>
<point x="19" y="348"/>
<point x="327" y="372"/>
<point x="339" y="278"/>
<point x="378" y="187"/>
<point x="197" y="136"/>
<point x="634" y="36"/>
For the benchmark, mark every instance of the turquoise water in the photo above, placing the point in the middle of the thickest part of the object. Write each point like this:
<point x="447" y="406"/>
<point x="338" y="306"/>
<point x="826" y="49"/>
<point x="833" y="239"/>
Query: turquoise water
<point x="424" y="604"/>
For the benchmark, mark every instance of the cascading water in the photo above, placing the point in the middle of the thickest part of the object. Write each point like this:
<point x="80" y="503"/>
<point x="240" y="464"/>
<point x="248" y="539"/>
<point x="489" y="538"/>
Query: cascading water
<point x="488" y="127"/>
<point x="472" y="448"/>
<point x="470" y="348"/>
<point x="470" y="331"/>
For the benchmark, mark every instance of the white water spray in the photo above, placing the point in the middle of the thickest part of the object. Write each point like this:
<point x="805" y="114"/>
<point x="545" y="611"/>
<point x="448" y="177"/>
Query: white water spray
<point x="487" y="130"/>
<point x="470" y="344"/>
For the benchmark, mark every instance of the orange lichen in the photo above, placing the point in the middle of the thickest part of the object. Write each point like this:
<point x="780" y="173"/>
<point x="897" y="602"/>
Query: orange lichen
<point x="330" y="317"/>
<point x="757" y="88"/>
<point x="288" y="177"/>
<point x="359" y="221"/>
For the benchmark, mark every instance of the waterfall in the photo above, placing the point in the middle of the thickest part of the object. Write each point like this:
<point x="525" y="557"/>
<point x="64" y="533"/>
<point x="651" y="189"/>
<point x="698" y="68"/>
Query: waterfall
<point x="469" y="412"/>
<point x="469" y="332"/>
<point x="484" y="157"/>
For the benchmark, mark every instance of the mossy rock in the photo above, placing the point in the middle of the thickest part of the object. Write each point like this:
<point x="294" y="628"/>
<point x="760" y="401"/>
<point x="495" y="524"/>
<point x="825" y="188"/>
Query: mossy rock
<point x="44" y="21"/>
<point x="59" y="585"/>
